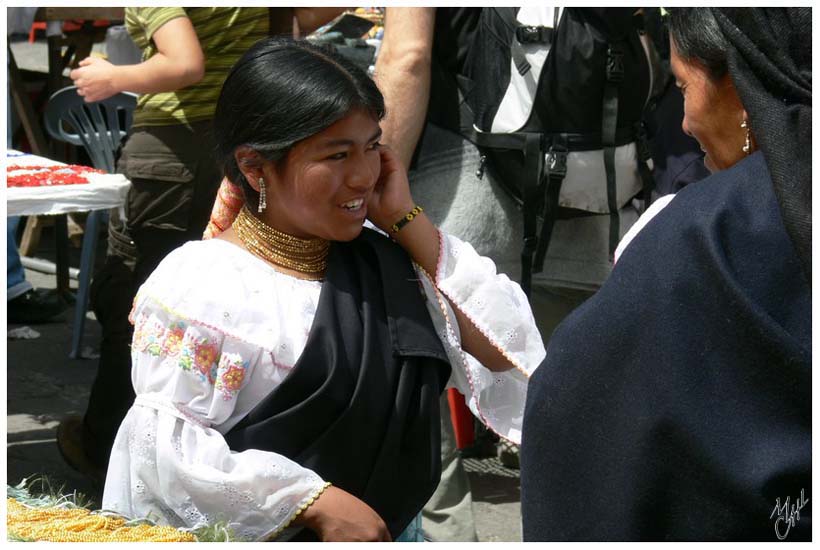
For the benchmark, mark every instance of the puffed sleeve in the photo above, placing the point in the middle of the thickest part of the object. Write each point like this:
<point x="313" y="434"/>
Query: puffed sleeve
<point x="500" y="310"/>
<point x="170" y="460"/>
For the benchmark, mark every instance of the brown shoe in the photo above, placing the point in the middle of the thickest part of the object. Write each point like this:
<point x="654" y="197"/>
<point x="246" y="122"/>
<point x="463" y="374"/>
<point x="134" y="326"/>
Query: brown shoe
<point x="508" y="454"/>
<point x="70" y="443"/>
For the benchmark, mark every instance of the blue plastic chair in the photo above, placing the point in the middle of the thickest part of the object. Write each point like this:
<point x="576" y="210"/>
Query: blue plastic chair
<point x="99" y="127"/>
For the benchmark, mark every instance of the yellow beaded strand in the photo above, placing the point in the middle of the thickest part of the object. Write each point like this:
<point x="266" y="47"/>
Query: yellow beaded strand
<point x="55" y="524"/>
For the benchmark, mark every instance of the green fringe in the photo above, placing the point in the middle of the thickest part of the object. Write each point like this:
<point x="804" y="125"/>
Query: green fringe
<point x="47" y="496"/>
<point x="218" y="532"/>
<point x="14" y="538"/>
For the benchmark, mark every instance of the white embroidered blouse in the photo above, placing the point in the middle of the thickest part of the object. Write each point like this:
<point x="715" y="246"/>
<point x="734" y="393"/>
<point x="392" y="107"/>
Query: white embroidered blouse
<point x="217" y="329"/>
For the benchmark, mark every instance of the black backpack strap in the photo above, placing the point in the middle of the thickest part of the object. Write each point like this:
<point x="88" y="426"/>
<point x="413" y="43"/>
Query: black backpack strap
<point x="572" y="141"/>
<point x="533" y="164"/>
<point x="556" y="172"/>
<point x="609" y="125"/>
<point x="644" y="153"/>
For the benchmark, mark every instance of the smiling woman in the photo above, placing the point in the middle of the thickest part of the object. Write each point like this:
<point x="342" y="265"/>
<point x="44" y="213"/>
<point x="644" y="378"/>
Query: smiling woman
<point x="281" y="96"/>
<point x="323" y="188"/>
<point x="288" y="372"/>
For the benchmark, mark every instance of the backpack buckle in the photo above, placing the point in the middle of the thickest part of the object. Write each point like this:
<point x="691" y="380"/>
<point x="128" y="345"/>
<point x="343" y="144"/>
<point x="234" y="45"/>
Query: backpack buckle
<point x="614" y="64"/>
<point x="530" y="34"/>
<point x="557" y="161"/>
<point x="530" y="242"/>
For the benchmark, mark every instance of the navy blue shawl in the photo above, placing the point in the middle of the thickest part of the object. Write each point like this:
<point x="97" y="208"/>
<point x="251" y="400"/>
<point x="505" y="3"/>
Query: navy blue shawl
<point x="675" y="404"/>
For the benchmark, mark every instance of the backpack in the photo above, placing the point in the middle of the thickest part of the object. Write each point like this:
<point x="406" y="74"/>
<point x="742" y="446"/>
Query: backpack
<point x="549" y="95"/>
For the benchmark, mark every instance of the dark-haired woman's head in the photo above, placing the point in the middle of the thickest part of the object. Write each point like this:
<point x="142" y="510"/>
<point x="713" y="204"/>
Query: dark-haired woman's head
<point x="304" y="123"/>
<point x="713" y="112"/>
<point x="281" y="92"/>
<point x="697" y="37"/>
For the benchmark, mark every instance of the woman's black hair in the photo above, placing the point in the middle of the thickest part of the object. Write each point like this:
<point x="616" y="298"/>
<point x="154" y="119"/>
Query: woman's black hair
<point x="698" y="37"/>
<point x="280" y="92"/>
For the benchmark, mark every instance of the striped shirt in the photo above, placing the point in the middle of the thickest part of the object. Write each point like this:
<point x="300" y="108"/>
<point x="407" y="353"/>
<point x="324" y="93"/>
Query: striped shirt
<point x="224" y="35"/>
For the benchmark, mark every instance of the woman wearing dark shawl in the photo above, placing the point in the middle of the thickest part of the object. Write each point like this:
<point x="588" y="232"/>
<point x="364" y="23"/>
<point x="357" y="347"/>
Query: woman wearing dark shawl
<point x="676" y="403"/>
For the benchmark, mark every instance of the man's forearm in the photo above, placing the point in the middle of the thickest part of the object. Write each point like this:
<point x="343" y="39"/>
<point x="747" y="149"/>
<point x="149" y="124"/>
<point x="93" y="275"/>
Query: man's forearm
<point x="403" y="76"/>
<point x="310" y="19"/>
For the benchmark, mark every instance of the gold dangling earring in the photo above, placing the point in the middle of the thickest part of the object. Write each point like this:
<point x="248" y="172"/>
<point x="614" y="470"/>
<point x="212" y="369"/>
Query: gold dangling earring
<point x="262" y="203"/>
<point x="747" y="147"/>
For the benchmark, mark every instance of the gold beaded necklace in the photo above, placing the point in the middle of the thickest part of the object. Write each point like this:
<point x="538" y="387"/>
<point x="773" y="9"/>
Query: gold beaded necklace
<point x="306" y="256"/>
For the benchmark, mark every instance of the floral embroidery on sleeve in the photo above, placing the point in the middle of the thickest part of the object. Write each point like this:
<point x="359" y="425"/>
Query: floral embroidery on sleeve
<point x="138" y="340"/>
<point x="149" y="335"/>
<point x="172" y="343"/>
<point x="205" y="353"/>
<point x="191" y="352"/>
<point x="232" y="370"/>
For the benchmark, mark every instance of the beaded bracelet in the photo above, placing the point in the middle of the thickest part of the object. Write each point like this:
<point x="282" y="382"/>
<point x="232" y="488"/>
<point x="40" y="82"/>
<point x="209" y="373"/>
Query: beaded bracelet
<point x="406" y="219"/>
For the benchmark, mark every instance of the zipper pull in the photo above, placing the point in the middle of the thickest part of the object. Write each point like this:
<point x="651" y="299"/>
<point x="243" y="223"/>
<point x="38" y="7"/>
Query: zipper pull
<point x="481" y="162"/>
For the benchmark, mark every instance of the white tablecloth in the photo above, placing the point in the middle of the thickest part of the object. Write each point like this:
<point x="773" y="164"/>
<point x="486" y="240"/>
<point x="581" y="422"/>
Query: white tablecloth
<point x="103" y="191"/>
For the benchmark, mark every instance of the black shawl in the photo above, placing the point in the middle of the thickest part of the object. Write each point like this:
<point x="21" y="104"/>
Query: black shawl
<point x="675" y="404"/>
<point x="361" y="405"/>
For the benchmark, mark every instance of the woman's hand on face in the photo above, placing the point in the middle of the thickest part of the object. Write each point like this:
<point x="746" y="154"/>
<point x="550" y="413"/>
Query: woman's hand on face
<point x="338" y="516"/>
<point x="391" y="198"/>
<point x="94" y="79"/>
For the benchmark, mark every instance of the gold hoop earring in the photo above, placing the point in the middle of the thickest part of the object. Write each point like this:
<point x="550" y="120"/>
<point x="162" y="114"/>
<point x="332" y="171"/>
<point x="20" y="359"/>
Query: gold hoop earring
<point x="747" y="147"/>
<point x="262" y="203"/>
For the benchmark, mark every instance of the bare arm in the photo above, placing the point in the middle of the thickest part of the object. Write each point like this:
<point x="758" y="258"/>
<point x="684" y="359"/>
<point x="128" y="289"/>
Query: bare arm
<point x="179" y="62"/>
<point x="338" y="516"/>
<point x="310" y="19"/>
<point x="403" y="76"/>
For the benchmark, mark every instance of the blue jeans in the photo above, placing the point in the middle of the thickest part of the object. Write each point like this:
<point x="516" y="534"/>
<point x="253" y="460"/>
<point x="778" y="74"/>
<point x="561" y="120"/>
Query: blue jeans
<point x="16" y="283"/>
<point x="413" y="532"/>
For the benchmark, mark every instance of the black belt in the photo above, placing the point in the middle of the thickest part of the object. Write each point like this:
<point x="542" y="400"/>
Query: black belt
<point x="572" y="141"/>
